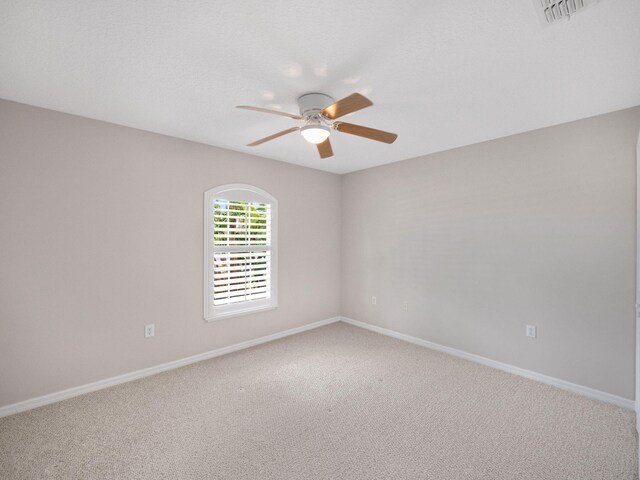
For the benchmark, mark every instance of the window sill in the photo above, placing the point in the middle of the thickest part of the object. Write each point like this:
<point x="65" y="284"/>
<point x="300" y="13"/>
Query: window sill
<point x="239" y="313"/>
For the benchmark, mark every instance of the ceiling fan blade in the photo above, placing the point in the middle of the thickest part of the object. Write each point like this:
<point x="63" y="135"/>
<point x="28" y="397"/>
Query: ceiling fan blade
<point x="275" y="135"/>
<point x="366" y="132"/>
<point x="266" y="110"/>
<point x="350" y="104"/>
<point x="324" y="149"/>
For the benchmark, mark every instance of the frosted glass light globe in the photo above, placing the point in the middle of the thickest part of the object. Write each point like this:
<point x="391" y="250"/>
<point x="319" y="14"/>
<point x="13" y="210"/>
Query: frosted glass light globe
<point x="315" y="133"/>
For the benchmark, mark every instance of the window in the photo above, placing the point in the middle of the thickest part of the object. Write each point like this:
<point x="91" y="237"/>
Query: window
<point x="240" y="251"/>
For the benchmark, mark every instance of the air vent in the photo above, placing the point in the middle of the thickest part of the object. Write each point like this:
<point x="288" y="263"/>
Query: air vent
<point x="552" y="11"/>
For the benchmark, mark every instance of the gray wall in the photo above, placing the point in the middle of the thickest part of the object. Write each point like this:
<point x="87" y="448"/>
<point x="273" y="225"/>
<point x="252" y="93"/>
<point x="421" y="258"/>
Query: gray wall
<point x="537" y="228"/>
<point x="101" y="233"/>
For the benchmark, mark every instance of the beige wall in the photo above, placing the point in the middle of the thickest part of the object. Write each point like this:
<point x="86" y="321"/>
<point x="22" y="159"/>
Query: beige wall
<point x="537" y="228"/>
<point x="101" y="233"/>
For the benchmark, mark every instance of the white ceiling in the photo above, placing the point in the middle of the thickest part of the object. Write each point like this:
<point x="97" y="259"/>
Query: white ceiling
<point x="441" y="74"/>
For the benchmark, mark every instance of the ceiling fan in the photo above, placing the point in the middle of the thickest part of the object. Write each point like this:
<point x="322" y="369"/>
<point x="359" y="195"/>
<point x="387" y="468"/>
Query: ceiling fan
<point x="319" y="112"/>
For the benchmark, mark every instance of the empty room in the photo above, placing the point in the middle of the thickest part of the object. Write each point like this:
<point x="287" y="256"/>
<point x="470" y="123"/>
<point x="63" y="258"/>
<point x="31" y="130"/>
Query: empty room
<point x="319" y="240"/>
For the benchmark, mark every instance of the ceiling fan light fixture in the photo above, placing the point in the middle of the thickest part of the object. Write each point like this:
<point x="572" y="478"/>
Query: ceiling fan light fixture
<point x="315" y="133"/>
<point x="318" y="114"/>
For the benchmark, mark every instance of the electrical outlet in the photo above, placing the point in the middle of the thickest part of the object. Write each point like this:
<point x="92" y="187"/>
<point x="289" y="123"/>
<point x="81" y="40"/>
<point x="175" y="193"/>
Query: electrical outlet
<point x="405" y="306"/>
<point x="374" y="301"/>
<point x="150" y="330"/>
<point x="531" y="331"/>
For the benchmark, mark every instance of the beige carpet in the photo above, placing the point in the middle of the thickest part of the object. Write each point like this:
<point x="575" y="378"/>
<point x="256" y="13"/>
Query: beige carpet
<point x="338" y="402"/>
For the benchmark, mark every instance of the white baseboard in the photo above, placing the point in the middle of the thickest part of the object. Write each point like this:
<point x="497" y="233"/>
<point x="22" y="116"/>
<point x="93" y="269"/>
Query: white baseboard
<point x="556" y="382"/>
<point x="145" y="372"/>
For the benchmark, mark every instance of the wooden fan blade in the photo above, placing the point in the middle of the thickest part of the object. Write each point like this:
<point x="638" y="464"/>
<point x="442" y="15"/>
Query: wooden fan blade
<point x="365" y="132"/>
<point x="266" y="110"/>
<point x="275" y="135"/>
<point x="352" y="103"/>
<point x="324" y="149"/>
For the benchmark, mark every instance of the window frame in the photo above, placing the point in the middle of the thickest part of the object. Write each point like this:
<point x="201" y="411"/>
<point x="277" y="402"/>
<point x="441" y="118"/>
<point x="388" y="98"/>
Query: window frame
<point x="243" y="193"/>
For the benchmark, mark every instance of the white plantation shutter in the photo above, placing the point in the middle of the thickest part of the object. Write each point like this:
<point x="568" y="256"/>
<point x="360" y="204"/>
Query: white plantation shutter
<point x="239" y="251"/>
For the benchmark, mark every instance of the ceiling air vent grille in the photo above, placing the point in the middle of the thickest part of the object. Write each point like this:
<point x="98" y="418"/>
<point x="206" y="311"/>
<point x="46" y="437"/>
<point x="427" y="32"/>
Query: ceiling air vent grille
<point x="551" y="11"/>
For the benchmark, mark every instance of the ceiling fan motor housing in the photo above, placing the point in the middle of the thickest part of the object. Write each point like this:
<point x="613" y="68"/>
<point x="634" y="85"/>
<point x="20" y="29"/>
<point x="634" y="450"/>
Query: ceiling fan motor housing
<point x="313" y="103"/>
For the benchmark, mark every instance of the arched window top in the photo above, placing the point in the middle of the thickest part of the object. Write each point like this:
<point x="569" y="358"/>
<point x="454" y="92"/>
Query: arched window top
<point x="241" y="192"/>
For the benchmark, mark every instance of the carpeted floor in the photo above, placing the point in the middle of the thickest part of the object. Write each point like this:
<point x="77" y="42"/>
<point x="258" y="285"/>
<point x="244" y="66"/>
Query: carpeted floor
<point x="337" y="402"/>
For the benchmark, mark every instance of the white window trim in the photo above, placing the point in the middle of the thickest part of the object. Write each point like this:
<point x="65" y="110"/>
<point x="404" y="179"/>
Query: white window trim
<point x="245" y="193"/>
